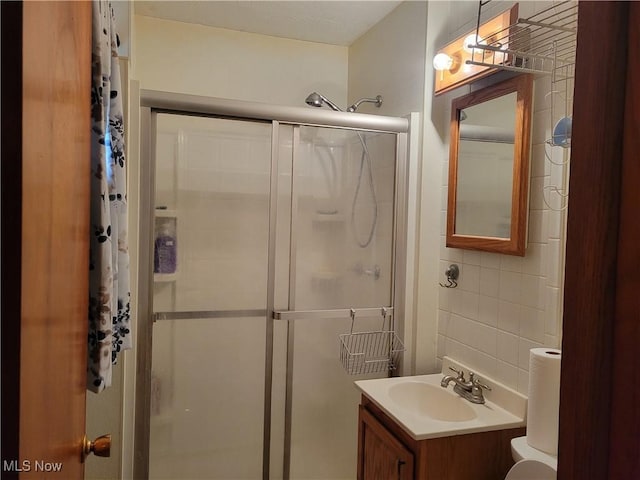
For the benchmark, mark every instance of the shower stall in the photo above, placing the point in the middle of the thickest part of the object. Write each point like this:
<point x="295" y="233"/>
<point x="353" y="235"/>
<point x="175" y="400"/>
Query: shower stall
<point x="275" y="231"/>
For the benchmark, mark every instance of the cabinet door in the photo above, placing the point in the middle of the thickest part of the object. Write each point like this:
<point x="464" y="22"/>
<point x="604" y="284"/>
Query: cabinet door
<point x="381" y="456"/>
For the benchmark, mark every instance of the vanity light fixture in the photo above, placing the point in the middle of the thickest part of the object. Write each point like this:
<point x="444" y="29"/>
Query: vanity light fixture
<point x="471" y="41"/>
<point x="451" y="61"/>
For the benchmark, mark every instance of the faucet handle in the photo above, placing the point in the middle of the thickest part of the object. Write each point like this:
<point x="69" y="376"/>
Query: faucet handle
<point x="476" y="383"/>
<point x="459" y="372"/>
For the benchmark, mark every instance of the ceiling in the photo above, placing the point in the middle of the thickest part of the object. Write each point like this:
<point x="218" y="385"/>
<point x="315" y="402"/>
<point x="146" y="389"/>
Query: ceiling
<point x="335" y="22"/>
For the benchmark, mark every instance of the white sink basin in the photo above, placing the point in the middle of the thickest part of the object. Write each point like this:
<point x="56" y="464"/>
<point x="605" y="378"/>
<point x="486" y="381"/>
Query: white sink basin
<point x="433" y="401"/>
<point x="424" y="409"/>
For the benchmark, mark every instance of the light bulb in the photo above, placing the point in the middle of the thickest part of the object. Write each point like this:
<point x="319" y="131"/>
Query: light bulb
<point x="442" y="61"/>
<point x="473" y="40"/>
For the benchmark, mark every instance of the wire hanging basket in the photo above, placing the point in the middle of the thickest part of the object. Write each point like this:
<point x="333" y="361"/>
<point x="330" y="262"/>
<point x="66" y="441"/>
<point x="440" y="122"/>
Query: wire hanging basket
<point x="370" y="351"/>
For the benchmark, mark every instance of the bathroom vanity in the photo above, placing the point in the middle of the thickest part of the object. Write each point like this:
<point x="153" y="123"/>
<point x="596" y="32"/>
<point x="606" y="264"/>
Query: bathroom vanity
<point x="413" y="428"/>
<point x="386" y="451"/>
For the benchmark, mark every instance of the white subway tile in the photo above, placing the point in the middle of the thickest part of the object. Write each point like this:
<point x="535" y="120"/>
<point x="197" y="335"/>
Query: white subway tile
<point x="541" y="89"/>
<point x="483" y="337"/>
<point x="523" y="381"/>
<point x="556" y="223"/>
<point x="455" y="255"/>
<point x="507" y="374"/>
<point x="471" y="258"/>
<point x="552" y="341"/>
<point x="552" y="311"/>
<point x="523" y="352"/>
<point x="554" y="264"/>
<point x="444" y="299"/>
<point x="488" y="310"/>
<point x="532" y="324"/>
<point x="469" y="278"/>
<point x="455" y="301"/>
<point x="534" y="262"/>
<point x="445" y="174"/>
<point x="509" y="317"/>
<point x="444" y="251"/>
<point x="533" y="293"/>
<point x="469" y="305"/>
<point x="541" y="130"/>
<point x="539" y="162"/>
<point x="444" y="198"/>
<point x="490" y="260"/>
<point x="483" y="364"/>
<point x="507" y="347"/>
<point x="511" y="263"/>
<point x="510" y="286"/>
<point x="536" y="194"/>
<point x="441" y="346"/>
<point x="489" y="281"/>
<point x="459" y="351"/>
<point x="538" y="226"/>
<point x="443" y="322"/>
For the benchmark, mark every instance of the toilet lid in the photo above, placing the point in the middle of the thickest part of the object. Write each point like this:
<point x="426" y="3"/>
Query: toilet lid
<point x="531" y="470"/>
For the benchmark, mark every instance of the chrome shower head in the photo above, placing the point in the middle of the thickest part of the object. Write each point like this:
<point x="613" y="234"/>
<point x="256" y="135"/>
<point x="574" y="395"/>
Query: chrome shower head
<point x="316" y="100"/>
<point x="377" y="101"/>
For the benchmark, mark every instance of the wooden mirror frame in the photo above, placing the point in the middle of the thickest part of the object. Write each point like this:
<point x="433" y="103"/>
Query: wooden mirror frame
<point x="516" y="243"/>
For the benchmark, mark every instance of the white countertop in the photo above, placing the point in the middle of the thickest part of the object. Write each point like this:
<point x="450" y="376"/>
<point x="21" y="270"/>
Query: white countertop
<point x="504" y="408"/>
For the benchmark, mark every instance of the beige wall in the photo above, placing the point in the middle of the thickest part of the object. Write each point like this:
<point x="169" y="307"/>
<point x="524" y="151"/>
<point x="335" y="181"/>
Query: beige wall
<point x="389" y="60"/>
<point x="504" y="305"/>
<point x="179" y="57"/>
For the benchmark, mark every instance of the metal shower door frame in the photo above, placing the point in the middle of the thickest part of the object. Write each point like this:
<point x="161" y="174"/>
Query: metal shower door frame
<point x="154" y="102"/>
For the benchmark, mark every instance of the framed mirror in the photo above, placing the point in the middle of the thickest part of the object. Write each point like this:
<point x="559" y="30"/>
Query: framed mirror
<point x="489" y="168"/>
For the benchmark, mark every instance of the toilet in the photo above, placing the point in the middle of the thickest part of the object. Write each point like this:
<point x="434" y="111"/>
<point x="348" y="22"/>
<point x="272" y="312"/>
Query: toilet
<point x="531" y="463"/>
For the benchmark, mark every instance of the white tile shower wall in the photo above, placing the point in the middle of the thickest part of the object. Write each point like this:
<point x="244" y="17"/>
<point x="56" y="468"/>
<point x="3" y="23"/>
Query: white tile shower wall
<point x="506" y="305"/>
<point x="332" y="270"/>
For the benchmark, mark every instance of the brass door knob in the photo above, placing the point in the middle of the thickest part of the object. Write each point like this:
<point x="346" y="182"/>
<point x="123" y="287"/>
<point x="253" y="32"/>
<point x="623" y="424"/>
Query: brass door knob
<point x="100" y="447"/>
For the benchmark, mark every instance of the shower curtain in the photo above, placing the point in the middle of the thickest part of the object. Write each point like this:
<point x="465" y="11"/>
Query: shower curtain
<point x="109" y="294"/>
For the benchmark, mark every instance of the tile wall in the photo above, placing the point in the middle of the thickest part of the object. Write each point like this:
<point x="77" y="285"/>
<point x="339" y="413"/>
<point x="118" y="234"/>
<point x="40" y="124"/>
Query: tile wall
<point x="506" y="305"/>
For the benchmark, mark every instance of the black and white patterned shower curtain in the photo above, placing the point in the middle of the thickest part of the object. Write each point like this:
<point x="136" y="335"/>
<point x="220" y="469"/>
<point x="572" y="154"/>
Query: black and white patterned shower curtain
<point x="109" y="294"/>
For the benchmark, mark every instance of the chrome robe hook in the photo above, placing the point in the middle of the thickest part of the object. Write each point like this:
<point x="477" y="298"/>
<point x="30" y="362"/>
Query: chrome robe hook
<point x="452" y="273"/>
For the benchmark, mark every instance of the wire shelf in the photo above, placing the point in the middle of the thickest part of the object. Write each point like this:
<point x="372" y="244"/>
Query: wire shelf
<point x="544" y="43"/>
<point x="371" y="351"/>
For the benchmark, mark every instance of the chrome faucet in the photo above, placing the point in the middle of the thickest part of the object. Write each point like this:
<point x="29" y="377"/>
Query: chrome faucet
<point x="470" y="390"/>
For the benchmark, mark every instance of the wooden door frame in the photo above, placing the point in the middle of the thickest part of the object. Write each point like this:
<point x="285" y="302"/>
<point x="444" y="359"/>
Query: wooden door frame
<point x="600" y="387"/>
<point x="46" y="87"/>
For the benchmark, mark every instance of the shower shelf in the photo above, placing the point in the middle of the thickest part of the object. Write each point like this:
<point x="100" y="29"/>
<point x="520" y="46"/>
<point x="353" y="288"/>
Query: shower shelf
<point x="326" y="279"/>
<point x="328" y="218"/>
<point x="165" y="213"/>
<point x="165" y="277"/>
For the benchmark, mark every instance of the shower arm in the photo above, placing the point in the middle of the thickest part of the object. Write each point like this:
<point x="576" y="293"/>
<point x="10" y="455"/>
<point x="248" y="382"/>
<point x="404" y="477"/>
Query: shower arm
<point x="377" y="101"/>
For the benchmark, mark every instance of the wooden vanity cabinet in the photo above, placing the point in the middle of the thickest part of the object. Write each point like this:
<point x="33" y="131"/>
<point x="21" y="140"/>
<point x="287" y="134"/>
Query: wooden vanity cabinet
<point x="380" y="454"/>
<point x="387" y="452"/>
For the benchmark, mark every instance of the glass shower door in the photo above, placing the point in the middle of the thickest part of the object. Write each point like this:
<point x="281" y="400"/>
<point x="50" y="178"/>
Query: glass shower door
<point x="209" y="337"/>
<point x="342" y="258"/>
<point x="236" y="243"/>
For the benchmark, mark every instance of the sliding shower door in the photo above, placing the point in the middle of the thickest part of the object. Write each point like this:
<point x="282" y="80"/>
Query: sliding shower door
<point x="342" y="259"/>
<point x="271" y="240"/>
<point x="209" y="335"/>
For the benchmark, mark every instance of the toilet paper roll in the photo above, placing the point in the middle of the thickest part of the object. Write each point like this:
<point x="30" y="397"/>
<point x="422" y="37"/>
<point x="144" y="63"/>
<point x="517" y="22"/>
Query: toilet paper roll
<point x="544" y="399"/>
